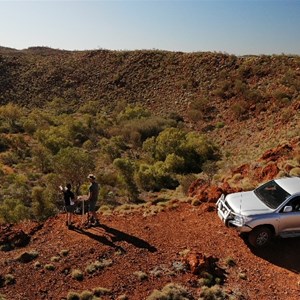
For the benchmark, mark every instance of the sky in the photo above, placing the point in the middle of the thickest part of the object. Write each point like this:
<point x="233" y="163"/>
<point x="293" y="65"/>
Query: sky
<point x="238" y="27"/>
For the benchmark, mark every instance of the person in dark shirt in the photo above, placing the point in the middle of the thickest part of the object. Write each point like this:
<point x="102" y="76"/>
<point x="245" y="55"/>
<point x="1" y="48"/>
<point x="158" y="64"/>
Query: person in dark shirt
<point x="92" y="200"/>
<point x="69" y="204"/>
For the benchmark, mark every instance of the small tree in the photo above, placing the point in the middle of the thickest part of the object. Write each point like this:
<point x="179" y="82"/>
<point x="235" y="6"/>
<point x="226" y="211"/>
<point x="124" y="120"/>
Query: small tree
<point x="127" y="169"/>
<point x="42" y="157"/>
<point x="11" y="113"/>
<point x="41" y="207"/>
<point x="73" y="165"/>
<point x="13" y="211"/>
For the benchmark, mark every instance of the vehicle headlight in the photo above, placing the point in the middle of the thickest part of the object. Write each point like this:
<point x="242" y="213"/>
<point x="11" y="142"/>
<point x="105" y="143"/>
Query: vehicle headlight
<point x="240" y="220"/>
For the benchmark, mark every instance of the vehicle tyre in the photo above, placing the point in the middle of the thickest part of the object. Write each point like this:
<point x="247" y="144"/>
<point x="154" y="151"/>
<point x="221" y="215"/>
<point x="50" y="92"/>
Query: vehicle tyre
<point x="260" y="236"/>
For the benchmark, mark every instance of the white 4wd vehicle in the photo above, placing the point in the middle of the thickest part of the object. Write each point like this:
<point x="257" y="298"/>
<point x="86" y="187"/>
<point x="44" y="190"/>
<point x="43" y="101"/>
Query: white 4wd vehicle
<point x="272" y="209"/>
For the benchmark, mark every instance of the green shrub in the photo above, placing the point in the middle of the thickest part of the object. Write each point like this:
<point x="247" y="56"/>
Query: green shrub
<point x="133" y="112"/>
<point x="220" y="124"/>
<point x="141" y="275"/>
<point x="49" y="267"/>
<point x="55" y="138"/>
<point x="73" y="163"/>
<point x="206" y="279"/>
<point x="112" y="147"/>
<point x="9" y="279"/>
<point x="192" y="148"/>
<point x="64" y="252"/>
<point x="127" y="169"/>
<point x="101" y="291"/>
<point x="169" y="292"/>
<point x="55" y="258"/>
<point x="155" y="177"/>
<point x="37" y="265"/>
<point x="212" y="293"/>
<point x="73" y="296"/>
<point x="42" y="207"/>
<point x="12" y="114"/>
<point x="13" y="211"/>
<point x="86" y="295"/>
<point x="77" y="274"/>
<point x="198" y="108"/>
<point x="230" y="262"/>
<point x="91" y="268"/>
<point x="239" y="109"/>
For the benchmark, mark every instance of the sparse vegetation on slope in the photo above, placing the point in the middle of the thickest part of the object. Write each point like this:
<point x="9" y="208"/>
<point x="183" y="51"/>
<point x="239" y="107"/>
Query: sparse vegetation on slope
<point x="142" y="121"/>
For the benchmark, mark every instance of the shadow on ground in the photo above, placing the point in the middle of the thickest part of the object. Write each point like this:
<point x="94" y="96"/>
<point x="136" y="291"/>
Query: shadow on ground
<point x="281" y="252"/>
<point x="116" y="236"/>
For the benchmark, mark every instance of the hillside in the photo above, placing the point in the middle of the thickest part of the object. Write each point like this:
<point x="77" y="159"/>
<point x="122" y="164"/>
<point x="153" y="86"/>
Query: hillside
<point x="250" y="103"/>
<point x="248" y="106"/>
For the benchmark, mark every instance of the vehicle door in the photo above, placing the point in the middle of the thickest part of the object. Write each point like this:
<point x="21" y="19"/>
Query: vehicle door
<point x="289" y="222"/>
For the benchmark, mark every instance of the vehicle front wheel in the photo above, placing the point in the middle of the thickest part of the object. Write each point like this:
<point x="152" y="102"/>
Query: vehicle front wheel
<point x="260" y="236"/>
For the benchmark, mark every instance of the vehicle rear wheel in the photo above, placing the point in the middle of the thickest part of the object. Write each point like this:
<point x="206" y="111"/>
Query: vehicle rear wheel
<point x="260" y="236"/>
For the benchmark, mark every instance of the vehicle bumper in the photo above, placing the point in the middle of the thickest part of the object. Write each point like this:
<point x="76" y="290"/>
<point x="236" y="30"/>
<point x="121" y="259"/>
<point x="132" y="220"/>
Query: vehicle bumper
<point x="228" y="217"/>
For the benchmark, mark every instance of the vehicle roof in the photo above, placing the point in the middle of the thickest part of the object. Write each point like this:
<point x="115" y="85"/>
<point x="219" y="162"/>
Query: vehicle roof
<point x="290" y="184"/>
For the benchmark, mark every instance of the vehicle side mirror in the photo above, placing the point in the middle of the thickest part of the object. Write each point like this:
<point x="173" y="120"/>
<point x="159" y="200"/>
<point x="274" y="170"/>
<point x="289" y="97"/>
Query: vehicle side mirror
<point x="288" y="209"/>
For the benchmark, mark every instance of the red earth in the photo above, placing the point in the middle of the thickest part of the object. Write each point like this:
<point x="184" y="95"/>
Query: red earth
<point x="142" y="253"/>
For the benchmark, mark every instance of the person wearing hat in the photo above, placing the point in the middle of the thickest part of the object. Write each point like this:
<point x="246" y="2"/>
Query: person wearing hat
<point x="92" y="200"/>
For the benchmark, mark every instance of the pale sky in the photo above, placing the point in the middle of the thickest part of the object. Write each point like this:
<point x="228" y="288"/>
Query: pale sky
<point x="231" y="26"/>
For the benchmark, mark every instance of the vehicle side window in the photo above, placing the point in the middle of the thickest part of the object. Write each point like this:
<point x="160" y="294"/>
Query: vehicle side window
<point x="295" y="203"/>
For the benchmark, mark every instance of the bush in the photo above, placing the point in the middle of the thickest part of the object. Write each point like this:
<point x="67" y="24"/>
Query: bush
<point x="212" y="293"/>
<point x="13" y="211"/>
<point x="169" y="292"/>
<point x="64" y="252"/>
<point x="127" y="169"/>
<point x="133" y="112"/>
<point x="49" y="267"/>
<point x="73" y="296"/>
<point x="9" y="279"/>
<point x="230" y="262"/>
<point x="86" y="295"/>
<point x="55" y="258"/>
<point x="155" y="177"/>
<point x="188" y="150"/>
<point x="73" y="163"/>
<point x="112" y="147"/>
<point x="41" y="207"/>
<point x="37" y="265"/>
<point x="101" y="291"/>
<point x="77" y="274"/>
<point x="12" y="113"/>
<point x="239" y="109"/>
<point x="141" y="275"/>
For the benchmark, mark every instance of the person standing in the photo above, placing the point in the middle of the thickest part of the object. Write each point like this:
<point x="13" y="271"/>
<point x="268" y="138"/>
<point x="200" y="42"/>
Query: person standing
<point x="92" y="201"/>
<point x="69" y="203"/>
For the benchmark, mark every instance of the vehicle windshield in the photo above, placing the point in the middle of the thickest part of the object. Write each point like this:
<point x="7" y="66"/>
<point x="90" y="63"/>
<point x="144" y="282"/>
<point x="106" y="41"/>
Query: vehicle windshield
<point x="271" y="194"/>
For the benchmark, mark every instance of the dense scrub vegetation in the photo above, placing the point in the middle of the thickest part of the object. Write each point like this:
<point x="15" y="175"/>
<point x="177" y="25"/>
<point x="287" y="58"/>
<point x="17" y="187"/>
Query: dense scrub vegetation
<point x="136" y="119"/>
<point x="132" y="151"/>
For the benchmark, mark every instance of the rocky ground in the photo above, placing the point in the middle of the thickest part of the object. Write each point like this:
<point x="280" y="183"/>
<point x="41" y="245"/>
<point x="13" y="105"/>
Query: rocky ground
<point x="138" y="253"/>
